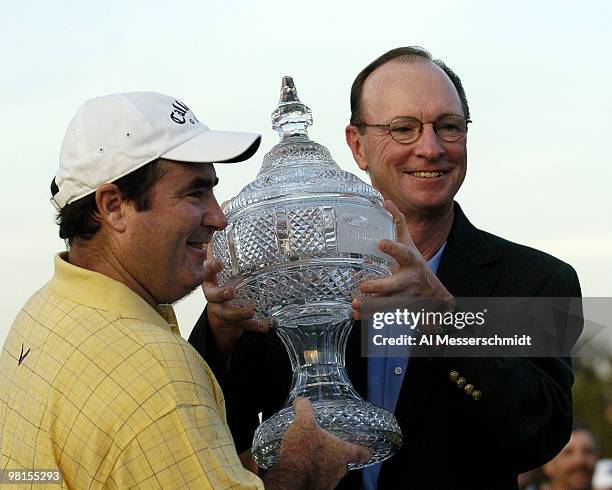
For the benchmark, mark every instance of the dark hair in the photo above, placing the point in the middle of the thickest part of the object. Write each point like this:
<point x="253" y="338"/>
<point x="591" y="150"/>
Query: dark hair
<point x="408" y="54"/>
<point x="79" y="219"/>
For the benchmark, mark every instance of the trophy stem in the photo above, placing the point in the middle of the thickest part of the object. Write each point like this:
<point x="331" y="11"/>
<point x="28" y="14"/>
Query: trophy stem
<point x="315" y="337"/>
<point x="321" y="382"/>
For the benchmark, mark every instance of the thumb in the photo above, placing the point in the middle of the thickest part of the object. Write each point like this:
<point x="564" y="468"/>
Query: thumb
<point x="304" y="413"/>
<point x="357" y="454"/>
<point x="403" y="235"/>
<point x="209" y="250"/>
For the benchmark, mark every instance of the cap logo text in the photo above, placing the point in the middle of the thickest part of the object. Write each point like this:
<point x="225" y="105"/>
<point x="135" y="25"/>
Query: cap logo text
<point x="178" y="115"/>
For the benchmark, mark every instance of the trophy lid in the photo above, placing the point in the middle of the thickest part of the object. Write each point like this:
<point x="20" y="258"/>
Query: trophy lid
<point x="298" y="166"/>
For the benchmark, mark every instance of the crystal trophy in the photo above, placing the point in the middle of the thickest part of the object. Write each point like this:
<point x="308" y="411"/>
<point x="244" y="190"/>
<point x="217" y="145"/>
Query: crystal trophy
<point x="300" y="240"/>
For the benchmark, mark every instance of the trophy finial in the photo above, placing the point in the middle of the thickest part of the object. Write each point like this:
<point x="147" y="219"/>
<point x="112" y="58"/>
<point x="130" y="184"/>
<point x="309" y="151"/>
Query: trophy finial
<point x="291" y="117"/>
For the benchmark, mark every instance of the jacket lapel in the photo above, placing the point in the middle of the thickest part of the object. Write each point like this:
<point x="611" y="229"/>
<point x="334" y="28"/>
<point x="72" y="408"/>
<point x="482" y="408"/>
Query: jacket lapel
<point x="464" y="265"/>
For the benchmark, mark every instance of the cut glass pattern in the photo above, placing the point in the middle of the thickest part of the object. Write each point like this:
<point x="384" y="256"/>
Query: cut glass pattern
<point x="289" y="258"/>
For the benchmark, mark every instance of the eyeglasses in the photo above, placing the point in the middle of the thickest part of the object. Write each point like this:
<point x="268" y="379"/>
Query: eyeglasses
<point x="405" y="129"/>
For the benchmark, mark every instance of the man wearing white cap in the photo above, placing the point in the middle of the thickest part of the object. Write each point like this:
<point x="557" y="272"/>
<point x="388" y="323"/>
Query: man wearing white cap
<point x="95" y="381"/>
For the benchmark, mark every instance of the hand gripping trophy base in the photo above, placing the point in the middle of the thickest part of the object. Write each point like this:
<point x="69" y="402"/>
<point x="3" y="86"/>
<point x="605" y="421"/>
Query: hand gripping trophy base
<point x="315" y="337"/>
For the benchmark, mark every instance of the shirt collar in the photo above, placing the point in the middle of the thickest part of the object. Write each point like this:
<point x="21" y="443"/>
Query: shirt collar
<point x="434" y="262"/>
<point x="98" y="291"/>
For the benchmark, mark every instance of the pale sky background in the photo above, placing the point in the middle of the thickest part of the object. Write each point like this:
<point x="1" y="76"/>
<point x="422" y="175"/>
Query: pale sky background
<point x="537" y="75"/>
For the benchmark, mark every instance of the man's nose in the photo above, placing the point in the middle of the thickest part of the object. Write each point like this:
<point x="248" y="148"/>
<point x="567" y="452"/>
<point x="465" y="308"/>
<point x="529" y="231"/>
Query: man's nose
<point x="429" y="145"/>
<point x="217" y="219"/>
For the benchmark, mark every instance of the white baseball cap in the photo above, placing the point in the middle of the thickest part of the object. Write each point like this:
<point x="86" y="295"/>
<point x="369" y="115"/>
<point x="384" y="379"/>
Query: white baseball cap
<point x="112" y="136"/>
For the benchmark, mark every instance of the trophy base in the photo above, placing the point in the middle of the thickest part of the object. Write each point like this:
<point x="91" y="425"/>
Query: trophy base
<point x="353" y="420"/>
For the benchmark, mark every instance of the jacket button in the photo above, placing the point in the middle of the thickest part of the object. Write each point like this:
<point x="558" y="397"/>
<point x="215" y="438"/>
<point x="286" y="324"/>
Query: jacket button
<point x="477" y="395"/>
<point x="398" y="370"/>
<point x="469" y="389"/>
<point x="454" y="375"/>
<point x="461" y="382"/>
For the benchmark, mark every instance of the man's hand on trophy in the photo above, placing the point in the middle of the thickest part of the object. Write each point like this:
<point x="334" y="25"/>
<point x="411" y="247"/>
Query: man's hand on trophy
<point x="226" y="320"/>
<point x="311" y="457"/>
<point x="411" y="278"/>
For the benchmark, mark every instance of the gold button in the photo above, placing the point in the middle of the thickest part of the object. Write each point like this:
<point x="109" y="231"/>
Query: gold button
<point x="477" y="395"/>
<point x="454" y="375"/>
<point x="461" y="382"/>
<point x="469" y="389"/>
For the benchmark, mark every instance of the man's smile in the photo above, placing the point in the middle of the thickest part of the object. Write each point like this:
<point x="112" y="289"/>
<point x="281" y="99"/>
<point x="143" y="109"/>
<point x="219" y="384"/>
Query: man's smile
<point x="198" y="248"/>
<point x="427" y="175"/>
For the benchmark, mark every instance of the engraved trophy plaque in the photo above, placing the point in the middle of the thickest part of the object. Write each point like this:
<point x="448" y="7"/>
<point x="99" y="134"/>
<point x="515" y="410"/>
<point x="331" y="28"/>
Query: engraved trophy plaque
<point x="300" y="240"/>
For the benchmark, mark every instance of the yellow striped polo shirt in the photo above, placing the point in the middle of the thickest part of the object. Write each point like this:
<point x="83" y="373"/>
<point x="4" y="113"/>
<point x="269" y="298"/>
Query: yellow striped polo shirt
<point x="98" y="384"/>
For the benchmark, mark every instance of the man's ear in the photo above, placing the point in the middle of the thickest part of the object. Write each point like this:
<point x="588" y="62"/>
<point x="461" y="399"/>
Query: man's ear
<point x="355" y="141"/>
<point x="111" y="206"/>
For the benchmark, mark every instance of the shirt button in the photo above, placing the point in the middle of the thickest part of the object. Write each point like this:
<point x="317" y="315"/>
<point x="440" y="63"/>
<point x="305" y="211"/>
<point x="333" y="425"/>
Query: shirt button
<point x="398" y="370"/>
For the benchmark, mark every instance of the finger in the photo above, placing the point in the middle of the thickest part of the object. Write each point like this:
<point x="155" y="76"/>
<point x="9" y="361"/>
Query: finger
<point x="230" y="313"/>
<point x="400" y="282"/>
<point x="403" y="235"/>
<point x="403" y="254"/>
<point x="304" y="413"/>
<point x="238" y="318"/>
<point x="256" y="326"/>
<point x="357" y="454"/>
<point x="217" y="294"/>
<point x="212" y="266"/>
<point x="356" y="305"/>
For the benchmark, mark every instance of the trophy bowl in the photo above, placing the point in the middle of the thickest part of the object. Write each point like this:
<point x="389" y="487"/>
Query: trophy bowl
<point x="300" y="240"/>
